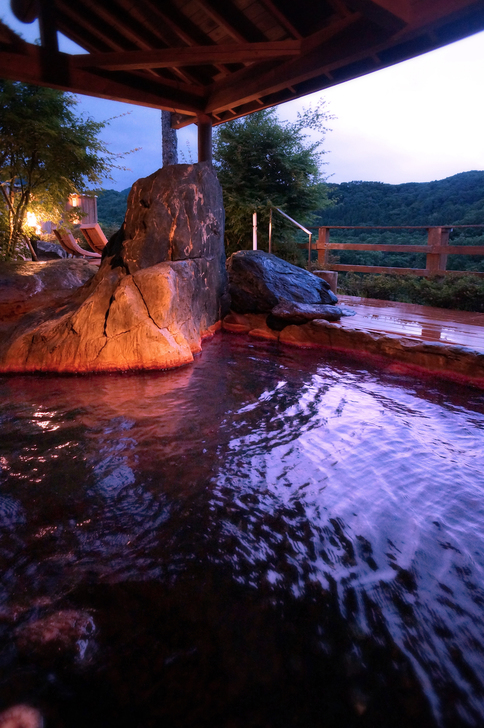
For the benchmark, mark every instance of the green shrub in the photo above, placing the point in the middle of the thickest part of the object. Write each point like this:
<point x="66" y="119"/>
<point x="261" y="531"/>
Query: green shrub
<point x="465" y="293"/>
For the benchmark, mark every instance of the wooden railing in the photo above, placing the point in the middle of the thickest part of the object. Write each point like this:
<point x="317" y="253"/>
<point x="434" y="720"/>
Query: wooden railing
<point x="437" y="249"/>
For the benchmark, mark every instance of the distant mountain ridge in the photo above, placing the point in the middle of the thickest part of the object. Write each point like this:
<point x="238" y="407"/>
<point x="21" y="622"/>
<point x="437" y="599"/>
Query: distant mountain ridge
<point x="455" y="200"/>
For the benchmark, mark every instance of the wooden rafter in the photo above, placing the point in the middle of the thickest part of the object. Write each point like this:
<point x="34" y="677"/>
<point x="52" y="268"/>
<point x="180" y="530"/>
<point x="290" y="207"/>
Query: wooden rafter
<point x="235" y="23"/>
<point x="8" y="37"/>
<point x="177" y="54"/>
<point x="29" y="68"/>
<point x="281" y="18"/>
<point x="129" y="31"/>
<point x="390" y="14"/>
<point x="241" y="87"/>
<point x="182" y="27"/>
<point x="189" y="56"/>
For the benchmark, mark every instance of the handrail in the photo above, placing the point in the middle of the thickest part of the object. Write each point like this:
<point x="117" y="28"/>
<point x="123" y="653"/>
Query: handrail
<point x="437" y="249"/>
<point x="393" y="227"/>
<point x="298" y="224"/>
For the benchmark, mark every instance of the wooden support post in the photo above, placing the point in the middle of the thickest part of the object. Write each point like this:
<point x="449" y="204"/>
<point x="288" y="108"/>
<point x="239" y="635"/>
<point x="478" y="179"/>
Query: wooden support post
<point x="323" y="240"/>
<point x="254" y="231"/>
<point x="437" y="262"/>
<point x="47" y="26"/>
<point x="444" y="242"/>
<point x="204" y="138"/>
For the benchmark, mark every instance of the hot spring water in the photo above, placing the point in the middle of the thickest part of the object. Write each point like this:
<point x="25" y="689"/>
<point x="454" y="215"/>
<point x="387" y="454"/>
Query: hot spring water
<point x="270" y="537"/>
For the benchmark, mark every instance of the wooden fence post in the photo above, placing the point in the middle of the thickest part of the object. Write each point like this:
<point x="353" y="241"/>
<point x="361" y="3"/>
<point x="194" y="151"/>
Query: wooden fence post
<point x="437" y="262"/>
<point x="323" y="240"/>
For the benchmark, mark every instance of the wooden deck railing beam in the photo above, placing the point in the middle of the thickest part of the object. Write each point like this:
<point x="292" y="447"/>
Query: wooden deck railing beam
<point x="436" y="250"/>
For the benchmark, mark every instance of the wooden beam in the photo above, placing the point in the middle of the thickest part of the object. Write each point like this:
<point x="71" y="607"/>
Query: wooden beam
<point x="401" y="9"/>
<point x="376" y="247"/>
<point x="281" y="18"/>
<point x="317" y="53"/>
<point x="87" y="22"/>
<point x="379" y="12"/>
<point x="129" y="29"/>
<point x="233" y="20"/>
<point x="28" y="68"/>
<point x="10" y="38"/>
<point x="189" y="56"/>
<point x="181" y="26"/>
<point x="379" y="269"/>
<point x="47" y="25"/>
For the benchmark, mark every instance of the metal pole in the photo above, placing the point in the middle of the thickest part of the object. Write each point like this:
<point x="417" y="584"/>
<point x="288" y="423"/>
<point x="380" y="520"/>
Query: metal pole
<point x="254" y="231"/>
<point x="270" y="230"/>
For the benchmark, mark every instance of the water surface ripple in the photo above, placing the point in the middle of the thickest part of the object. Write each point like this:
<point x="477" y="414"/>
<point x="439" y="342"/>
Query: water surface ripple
<point x="267" y="538"/>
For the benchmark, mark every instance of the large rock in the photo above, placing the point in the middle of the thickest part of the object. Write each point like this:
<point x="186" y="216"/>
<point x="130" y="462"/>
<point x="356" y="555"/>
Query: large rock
<point x="175" y="214"/>
<point x="160" y="288"/>
<point x="26" y="286"/>
<point x="49" y="251"/>
<point x="259" y="281"/>
<point x="67" y="632"/>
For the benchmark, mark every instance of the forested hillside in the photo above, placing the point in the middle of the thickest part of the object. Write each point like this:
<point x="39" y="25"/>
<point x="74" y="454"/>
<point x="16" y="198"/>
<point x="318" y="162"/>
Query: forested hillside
<point x="111" y="208"/>
<point x="457" y="200"/>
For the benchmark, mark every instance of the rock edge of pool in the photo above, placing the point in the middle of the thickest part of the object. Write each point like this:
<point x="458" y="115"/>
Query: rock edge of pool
<point x="400" y="354"/>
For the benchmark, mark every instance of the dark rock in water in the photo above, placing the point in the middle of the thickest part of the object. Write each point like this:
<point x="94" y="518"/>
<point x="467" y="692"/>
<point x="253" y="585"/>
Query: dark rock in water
<point x="289" y="312"/>
<point x="67" y="633"/>
<point x="160" y="289"/>
<point x="259" y="281"/>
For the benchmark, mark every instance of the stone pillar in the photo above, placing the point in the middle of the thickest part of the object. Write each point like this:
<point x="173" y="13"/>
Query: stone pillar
<point x="204" y="138"/>
<point x="169" y="141"/>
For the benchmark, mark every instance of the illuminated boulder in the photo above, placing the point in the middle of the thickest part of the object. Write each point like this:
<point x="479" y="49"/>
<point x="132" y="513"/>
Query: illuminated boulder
<point x="160" y="288"/>
<point x="26" y="286"/>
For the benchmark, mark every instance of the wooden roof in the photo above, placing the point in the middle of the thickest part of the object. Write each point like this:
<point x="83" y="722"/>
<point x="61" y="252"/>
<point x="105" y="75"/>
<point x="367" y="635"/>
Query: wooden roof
<point x="221" y="59"/>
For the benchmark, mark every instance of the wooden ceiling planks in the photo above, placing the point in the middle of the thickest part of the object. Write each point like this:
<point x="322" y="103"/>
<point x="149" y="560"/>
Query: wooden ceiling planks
<point x="226" y="58"/>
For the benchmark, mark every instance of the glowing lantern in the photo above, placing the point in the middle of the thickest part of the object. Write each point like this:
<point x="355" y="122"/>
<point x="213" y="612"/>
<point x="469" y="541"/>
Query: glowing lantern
<point x="33" y="223"/>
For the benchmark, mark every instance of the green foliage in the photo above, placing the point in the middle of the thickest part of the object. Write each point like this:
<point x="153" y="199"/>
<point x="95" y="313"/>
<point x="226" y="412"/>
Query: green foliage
<point x="111" y="208"/>
<point x="262" y="162"/>
<point x="46" y="153"/>
<point x="457" y="200"/>
<point x="465" y="293"/>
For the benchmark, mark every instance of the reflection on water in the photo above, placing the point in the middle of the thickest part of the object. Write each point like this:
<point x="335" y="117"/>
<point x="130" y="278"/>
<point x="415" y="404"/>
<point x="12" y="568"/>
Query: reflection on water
<point x="266" y="538"/>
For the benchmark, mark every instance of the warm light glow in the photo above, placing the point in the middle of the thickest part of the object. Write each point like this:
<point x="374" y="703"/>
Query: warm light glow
<point x="74" y="200"/>
<point x="33" y="223"/>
